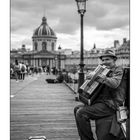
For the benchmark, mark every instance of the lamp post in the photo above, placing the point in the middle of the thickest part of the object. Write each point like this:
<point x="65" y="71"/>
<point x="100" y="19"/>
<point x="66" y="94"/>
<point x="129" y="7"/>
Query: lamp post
<point x="81" y="5"/>
<point x="59" y="59"/>
<point x="55" y="65"/>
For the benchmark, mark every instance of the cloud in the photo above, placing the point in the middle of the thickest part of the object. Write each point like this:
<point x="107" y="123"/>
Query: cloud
<point x="107" y="14"/>
<point x="63" y="18"/>
<point x="115" y="2"/>
<point x="28" y="13"/>
<point x="110" y="23"/>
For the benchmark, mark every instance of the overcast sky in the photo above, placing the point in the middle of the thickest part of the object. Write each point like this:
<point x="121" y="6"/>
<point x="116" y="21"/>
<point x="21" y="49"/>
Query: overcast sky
<point x="104" y="22"/>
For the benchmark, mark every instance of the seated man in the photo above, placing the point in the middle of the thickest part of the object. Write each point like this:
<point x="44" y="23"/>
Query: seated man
<point x="111" y="96"/>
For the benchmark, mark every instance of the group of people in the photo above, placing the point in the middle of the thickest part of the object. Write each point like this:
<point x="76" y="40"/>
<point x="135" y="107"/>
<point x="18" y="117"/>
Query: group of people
<point x="52" y="70"/>
<point x="110" y="98"/>
<point x="19" y="70"/>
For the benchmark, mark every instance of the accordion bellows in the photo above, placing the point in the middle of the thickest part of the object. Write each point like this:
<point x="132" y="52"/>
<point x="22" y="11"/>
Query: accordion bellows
<point x="90" y="88"/>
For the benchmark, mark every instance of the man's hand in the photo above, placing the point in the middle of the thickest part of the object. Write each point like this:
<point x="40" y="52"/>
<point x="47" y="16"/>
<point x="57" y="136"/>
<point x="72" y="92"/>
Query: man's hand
<point x="100" y="78"/>
<point x="89" y="76"/>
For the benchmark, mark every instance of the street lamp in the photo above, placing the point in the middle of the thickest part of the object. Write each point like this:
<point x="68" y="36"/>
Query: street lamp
<point x="56" y="65"/>
<point x="59" y="59"/>
<point x="81" y="5"/>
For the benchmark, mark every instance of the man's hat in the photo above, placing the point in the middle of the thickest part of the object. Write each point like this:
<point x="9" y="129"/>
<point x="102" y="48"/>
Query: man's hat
<point x="108" y="53"/>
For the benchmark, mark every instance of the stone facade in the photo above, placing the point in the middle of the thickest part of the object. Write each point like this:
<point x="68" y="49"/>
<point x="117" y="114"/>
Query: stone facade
<point x="91" y="59"/>
<point x="123" y="53"/>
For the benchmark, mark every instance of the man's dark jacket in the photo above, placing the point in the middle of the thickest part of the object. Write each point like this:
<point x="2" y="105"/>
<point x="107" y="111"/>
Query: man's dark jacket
<point x="113" y="95"/>
<point x="113" y="92"/>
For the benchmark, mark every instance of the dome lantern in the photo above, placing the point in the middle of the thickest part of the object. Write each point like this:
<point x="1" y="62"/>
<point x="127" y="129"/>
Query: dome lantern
<point x="44" y="21"/>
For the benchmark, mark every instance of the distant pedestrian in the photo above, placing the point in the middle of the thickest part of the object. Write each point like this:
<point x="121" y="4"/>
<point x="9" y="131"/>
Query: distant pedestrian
<point x="23" y="71"/>
<point x="11" y="72"/>
<point x="56" y="71"/>
<point x="20" y="74"/>
<point x="17" y="70"/>
<point x="48" y="70"/>
<point x="28" y="69"/>
<point x="53" y="70"/>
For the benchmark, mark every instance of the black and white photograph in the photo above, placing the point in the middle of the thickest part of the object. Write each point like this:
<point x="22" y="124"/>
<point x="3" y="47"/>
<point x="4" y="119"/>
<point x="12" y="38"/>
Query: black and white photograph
<point x="69" y="69"/>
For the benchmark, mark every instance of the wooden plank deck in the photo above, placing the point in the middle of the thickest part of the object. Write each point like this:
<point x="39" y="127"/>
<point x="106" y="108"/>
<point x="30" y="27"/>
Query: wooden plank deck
<point x="41" y="109"/>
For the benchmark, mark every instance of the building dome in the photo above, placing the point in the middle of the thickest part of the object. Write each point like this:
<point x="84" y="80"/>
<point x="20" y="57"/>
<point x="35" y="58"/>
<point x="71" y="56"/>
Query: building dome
<point x="44" y="30"/>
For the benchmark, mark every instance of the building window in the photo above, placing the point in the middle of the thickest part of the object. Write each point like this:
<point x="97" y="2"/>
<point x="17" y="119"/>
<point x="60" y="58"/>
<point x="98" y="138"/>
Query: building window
<point x="52" y="46"/>
<point x="36" y="46"/>
<point x="44" y="46"/>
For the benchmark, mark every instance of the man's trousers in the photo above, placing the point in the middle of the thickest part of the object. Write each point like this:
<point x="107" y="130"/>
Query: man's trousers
<point x="83" y="115"/>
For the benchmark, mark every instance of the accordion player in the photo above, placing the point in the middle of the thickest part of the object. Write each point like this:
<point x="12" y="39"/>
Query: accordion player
<point x="90" y="89"/>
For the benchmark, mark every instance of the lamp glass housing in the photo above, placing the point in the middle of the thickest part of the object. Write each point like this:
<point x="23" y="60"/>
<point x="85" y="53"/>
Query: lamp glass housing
<point x="81" y="5"/>
<point x="59" y="48"/>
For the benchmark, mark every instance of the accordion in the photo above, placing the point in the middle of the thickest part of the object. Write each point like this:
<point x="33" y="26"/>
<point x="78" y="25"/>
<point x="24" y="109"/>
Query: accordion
<point x="90" y="89"/>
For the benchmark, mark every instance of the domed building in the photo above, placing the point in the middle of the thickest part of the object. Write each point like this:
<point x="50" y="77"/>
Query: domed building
<point x="44" y="38"/>
<point x="44" y="52"/>
<point x="44" y="45"/>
